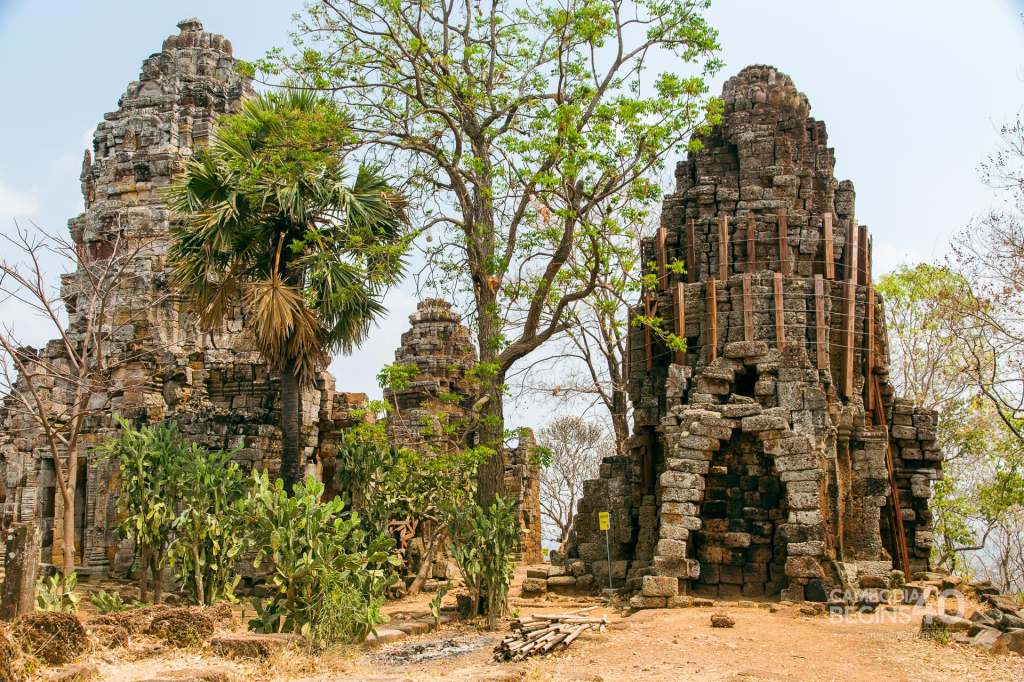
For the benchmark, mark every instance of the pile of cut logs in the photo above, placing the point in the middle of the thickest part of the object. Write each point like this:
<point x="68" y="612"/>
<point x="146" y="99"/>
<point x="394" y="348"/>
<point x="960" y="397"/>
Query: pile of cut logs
<point x="543" y="632"/>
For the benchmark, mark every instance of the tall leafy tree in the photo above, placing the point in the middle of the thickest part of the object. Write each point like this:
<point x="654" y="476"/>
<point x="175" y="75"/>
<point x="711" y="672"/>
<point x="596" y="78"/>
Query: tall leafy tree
<point x="269" y="219"/>
<point x="523" y="126"/>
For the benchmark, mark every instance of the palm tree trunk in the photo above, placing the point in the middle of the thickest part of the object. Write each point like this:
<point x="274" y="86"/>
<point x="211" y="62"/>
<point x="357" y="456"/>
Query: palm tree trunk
<point x="292" y="467"/>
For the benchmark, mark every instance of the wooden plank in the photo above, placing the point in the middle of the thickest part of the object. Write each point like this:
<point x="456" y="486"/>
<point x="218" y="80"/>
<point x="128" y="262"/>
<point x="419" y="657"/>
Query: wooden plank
<point x="780" y="313"/>
<point x="820" y="328"/>
<point x="784" y="243"/>
<point x="691" y="260"/>
<point x="659" y="250"/>
<point x="712" y="320"/>
<point x="748" y="309"/>
<point x="851" y="300"/>
<point x="852" y="238"/>
<point x="862" y="256"/>
<point x="871" y="261"/>
<point x="751" y="245"/>
<point x="830" y="263"/>
<point x="869" y="345"/>
<point x="680" y="319"/>
<point x="723" y="247"/>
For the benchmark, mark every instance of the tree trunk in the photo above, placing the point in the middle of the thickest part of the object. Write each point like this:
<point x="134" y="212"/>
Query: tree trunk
<point x="292" y="466"/>
<point x="197" y="575"/>
<point x="620" y="420"/>
<point x="21" y="565"/>
<point x="491" y="473"/>
<point x="427" y="562"/>
<point x="156" y="570"/>
<point x="144" y="576"/>
<point x="68" y="522"/>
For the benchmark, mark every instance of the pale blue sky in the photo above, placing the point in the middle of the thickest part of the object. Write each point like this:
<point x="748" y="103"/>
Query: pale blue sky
<point x="913" y="92"/>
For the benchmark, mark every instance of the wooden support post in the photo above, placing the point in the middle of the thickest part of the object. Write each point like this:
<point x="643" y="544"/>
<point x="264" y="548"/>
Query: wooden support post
<point x="691" y="260"/>
<point x="751" y="244"/>
<point x="784" y="243"/>
<point x="649" y="310"/>
<point x="820" y="329"/>
<point x="851" y="303"/>
<point x="871" y="261"/>
<point x="680" y="319"/>
<point x="869" y="345"/>
<point x="712" y="320"/>
<point x="852" y="237"/>
<point x="723" y="247"/>
<point x="862" y="256"/>
<point x="748" y="309"/>
<point x="780" y="313"/>
<point x="830" y="263"/>
<point x="659" y="250"/>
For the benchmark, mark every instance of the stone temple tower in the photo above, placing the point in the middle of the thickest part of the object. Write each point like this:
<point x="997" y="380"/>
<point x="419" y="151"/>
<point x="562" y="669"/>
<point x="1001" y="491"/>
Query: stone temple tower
<point x="214" y="385"/>
<point x="771" y="456"/>
<point x="433" y="411"/>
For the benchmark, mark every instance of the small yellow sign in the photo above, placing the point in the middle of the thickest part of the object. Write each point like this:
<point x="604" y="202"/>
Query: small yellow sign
<point x="602" y="520"/>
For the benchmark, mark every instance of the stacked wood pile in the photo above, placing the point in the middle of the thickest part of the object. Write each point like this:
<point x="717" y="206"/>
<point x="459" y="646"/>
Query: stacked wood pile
<point x="541" y="633"/>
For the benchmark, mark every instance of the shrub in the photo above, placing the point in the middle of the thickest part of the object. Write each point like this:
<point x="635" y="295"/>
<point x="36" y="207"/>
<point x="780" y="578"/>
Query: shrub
<point x="484" y="541"/>
<point x="110" y="602"/>
<point x="209" y="529"/>
<point x="328" y="575"/>
<point x="57" y="593"/>
<point x="182" y="504"/>
<point x="145" y="501"/>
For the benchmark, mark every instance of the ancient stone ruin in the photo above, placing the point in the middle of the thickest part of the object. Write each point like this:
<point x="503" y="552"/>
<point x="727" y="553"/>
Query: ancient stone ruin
<point x="432" y="412"/>
<point x="215" y="386"/>
<point x="771" y="456"/>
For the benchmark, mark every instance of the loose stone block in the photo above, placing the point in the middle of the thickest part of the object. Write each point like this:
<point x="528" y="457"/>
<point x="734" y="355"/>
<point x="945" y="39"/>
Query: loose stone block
<point x="659" y="586"/>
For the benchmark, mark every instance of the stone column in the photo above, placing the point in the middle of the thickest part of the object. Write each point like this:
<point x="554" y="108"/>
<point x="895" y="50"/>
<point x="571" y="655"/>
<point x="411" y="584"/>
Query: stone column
<point x="21" y="554"/>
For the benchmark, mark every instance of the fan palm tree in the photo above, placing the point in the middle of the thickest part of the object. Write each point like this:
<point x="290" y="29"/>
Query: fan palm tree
<point x="268" y="226"/>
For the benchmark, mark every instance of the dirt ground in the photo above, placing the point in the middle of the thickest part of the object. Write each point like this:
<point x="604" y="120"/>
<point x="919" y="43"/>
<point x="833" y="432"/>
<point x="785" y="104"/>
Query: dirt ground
<point x="649" y="645"/>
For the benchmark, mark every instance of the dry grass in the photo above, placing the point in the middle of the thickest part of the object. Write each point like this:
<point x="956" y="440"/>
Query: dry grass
<point x="56" y="638"/>
<point x="182" y="627"/>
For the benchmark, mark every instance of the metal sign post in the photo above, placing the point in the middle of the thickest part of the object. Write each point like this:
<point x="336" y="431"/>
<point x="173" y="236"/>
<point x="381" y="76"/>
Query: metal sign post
<point x="603" y="524"/>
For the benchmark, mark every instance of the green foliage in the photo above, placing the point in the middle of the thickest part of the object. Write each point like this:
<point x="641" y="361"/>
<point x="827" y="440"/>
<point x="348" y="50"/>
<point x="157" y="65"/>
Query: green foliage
<point x="111" y="602"/>
<point x="58" y="593"/>
<point x="483" y="543"/>
<point x="435" y="604"/>
<point x="327" y="574"/>
<point x="147" y="458"/>
<point x="396" y="377"/>
<point x="529" y="135"/>
<point x="268" y="217"/>
<point x="184" y="503"/>
<point x="209" y="530"/>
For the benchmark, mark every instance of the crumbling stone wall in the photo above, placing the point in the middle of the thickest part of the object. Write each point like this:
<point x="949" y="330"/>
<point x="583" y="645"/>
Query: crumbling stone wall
<point x="760" y="456"/>
<point x="215" y="385"/>
<point x="522" y="483"/>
